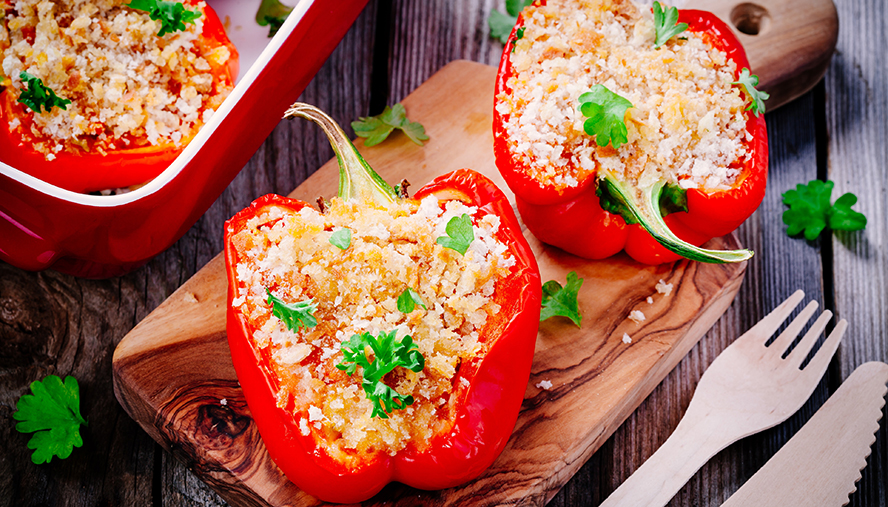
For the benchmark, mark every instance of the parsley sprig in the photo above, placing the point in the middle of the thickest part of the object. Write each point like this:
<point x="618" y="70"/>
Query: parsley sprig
<point x="172" y="15"/>
<point x="294" y="315"/>
<point x="501" y="24"/>
<point x="52" y="413"/>
<point x="561" y="301"/>
<point x="38" y="96"/>
<point x="408" y="300"/>
<point x="460" y="234"/>
<point x="757" y="98"/>
<point x="810" y="210"/>
<point x="272" y="13"/>
<point x="605" y="113"/>
<point x="388" y="354"/>
<point x="341" y="238"/>
<point x="377" y="128"/>
<point x="666" y="24"/>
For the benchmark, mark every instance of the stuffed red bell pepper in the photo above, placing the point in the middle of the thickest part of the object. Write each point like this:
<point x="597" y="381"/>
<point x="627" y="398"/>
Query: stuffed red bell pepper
<point x="609" y="117"/>
<point x="382" y="338"/>
<point x="105" y="98"/>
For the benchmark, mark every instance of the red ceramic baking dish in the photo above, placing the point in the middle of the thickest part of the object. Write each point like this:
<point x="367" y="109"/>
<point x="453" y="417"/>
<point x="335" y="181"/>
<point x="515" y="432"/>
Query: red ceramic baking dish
<point x="44" y="226"/>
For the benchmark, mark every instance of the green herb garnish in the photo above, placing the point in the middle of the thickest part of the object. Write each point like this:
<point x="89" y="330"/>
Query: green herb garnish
<point x="519" y="34"/>
<point x="666" y="24"/>
<point x="296" y="315"/>
<point x="172" y="15"/>
<point x="408" y="300"/>
<point x="810" y="210"/>
<point x="38" y="96"/>
<point x="272" y="13"/>
<point x="501" y="24"/>
<point x="757" y="98"/>
<point x="377" y="128"/>
<point x="388" y="354"/>
<point x="605" y="113"/>
<point x="562" y="301"/>
<point x="459" y="234"/>
<point x="53" y="412"/>
<point x="341" y="238"/>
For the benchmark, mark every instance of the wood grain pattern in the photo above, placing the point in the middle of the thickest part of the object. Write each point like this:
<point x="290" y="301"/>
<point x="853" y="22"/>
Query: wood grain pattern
<point x="172" y="370"/>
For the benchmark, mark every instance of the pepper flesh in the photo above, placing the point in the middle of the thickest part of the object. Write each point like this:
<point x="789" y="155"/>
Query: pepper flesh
<point x="496" y="383"/>
<point x="572" y="219"/>
<point x="82" y="171"/>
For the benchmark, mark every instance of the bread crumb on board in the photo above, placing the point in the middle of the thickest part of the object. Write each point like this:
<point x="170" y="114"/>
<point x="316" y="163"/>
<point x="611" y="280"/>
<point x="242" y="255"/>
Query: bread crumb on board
<point x="637" y="316"/>
<point x="664" y="288"/>
<point x="626" y="338"/>
<point x="544" y="384"/>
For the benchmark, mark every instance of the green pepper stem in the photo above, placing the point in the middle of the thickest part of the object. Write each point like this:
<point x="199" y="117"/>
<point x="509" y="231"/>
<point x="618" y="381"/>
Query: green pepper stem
<point x="644" y="204"/>
<point x="357" y="180"/>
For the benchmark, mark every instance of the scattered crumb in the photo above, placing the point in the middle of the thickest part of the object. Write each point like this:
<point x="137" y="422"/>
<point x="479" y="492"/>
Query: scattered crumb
<point x="626" y="338"/>
<point x="223" y="402"/>
<point x="636" y="316"/>
<point x="664" y="288"/>
<point x="544" y="384"/>
<point x="650" y="300"/>
<point x="190" y="297"/>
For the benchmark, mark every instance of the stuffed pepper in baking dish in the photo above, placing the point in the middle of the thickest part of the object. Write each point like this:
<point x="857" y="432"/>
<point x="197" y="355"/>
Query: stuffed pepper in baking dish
<point x="618" y="128"/>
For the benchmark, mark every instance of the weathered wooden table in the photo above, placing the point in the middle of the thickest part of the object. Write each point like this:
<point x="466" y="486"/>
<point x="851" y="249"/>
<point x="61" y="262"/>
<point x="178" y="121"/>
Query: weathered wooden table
<point x="52" y="323"/>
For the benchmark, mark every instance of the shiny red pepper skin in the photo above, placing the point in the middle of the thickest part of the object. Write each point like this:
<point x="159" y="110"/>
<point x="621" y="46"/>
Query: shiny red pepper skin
<point x="87" y="172"/>
<point x="573" y="220"/>
<point x="496" y="382"/>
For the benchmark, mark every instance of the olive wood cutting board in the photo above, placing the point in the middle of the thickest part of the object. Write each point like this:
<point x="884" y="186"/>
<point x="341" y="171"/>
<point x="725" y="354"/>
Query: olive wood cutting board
<point x="173" y="371"/>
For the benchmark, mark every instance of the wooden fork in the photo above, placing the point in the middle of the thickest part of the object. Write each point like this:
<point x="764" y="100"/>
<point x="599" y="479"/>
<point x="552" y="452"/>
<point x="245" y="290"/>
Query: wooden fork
<point x="748" y="388"/>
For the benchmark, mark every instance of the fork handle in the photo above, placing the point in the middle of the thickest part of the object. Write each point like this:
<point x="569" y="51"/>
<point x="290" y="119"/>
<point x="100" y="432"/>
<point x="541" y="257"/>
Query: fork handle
<point x="692" y="444"/>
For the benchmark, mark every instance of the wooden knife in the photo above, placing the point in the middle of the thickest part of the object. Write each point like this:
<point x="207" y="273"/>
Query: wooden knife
<point x="822" y="462"/>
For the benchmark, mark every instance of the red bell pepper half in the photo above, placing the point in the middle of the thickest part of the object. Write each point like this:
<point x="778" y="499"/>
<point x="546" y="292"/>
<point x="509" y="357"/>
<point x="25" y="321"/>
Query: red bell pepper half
<point x="573" y="218"/>
<point x="489" y="397"/>
<point x="80" y="171"/>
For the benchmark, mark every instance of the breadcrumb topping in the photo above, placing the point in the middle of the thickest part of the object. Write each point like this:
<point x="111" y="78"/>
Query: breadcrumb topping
<point x="687" y="123"/>
<point x="128" y="87"/>
<point x="393" y="248"/>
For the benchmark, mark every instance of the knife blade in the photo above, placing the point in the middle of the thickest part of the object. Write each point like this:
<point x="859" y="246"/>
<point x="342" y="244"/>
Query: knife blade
<point x="821" y="463"/>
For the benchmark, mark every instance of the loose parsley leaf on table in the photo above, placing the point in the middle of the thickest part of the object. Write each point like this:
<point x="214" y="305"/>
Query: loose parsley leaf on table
<point x="296" y="315"/>
<point x="341" y="238"/>
<point x="605" y="113"/>
<point x="53" y="412"/>
<point x="562" y="301"/>
<point x="757" y="98"/>
<point x="388" y="354"/>
<point x="39" y="96"/>
<point x="810" y="210"/>
<point x="459" y="234"/>
<point x="377" y="128"/>
<point x="272" y="13"/>
<point x="172" y="15"/>
<point x="666" y="24"/>
<point x="408" y="300"/>
<point x="501" y="24"/>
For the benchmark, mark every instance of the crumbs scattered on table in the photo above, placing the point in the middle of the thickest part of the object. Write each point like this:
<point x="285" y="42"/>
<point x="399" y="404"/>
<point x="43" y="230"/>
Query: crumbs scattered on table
<point x="636" y="316"/>
<point x="190" y="297"/>
<point x="626" y="338"/>
<point x="223" y="402"/>
<point x="664" y="288"/>
<point x="650" y="300"/>
<point x="544" y="384"/>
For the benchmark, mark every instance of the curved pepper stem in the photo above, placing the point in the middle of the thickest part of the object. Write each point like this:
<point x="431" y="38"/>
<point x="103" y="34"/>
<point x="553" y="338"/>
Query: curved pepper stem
<point x="644" y="205"/>
<point x="357" y="180"/>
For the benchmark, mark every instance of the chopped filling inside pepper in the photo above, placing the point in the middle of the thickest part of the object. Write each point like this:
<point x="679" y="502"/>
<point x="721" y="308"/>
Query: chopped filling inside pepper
<point x="393" y="248"/>
<point x="686" y="124"/>
<point x="128" y="86"/>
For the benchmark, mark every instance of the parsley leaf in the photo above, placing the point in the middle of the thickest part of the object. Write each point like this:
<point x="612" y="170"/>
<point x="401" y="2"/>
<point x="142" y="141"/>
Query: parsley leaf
<point x="341" y="238"/>
<point x="749" y="82"/>
<point x="810" y="210"/>
<point x="605" y="112"/>
<point x="408" y="300"/>
<point x="39" y="96"/>
<point x="172" y="15"/>
<point x="562" y="301"/>
<point x="377" y="128"/>
<point x="459" y="234"/>
<point x="388" y="354"/>
<point x="665" y="24"/>
<point x="295" y="315"/>
<point x="53" y="412"/>
<point x="272" y="13"/>
<point x="501" y="24"/>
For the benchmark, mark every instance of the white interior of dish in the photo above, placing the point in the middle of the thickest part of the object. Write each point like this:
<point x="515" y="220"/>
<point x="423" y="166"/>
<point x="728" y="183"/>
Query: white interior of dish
<point x="255" y="50"/>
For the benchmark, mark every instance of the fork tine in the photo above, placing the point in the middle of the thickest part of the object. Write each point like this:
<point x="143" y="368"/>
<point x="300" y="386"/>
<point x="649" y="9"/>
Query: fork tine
<point x="821" y="359"/>
<point x="793" y="329"/>
<point x="800" y="352"/>
<point x="766" y="327"/>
